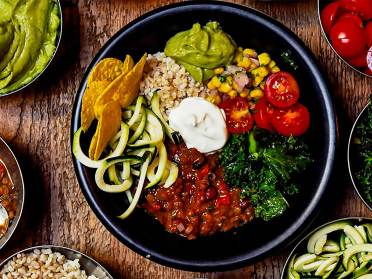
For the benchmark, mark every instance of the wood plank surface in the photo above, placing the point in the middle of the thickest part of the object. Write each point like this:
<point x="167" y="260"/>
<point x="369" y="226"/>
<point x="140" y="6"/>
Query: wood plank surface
<point x="36" y="123"/>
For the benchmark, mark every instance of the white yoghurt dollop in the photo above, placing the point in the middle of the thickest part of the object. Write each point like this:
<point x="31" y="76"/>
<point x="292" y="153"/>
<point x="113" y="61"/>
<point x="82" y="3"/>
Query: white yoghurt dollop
<point x="200" y="123"/>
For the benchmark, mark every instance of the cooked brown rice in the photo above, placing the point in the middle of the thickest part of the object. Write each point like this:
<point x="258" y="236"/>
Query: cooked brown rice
<point x="172" y="80"/>
<point x="43" y="264"/>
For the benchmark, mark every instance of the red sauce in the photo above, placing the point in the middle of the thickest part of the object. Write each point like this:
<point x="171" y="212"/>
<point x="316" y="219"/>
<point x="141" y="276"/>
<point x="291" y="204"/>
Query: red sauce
<point x="199" y="203"/>
<point x="7" y="195"/>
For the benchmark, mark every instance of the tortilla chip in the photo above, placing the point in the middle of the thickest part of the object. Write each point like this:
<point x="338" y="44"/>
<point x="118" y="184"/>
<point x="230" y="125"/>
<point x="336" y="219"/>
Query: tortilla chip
<point x="106" y="71"/>
<point x="123" y="89"/>
<point x="91" y="94"/>
<point x="108" y="126"/>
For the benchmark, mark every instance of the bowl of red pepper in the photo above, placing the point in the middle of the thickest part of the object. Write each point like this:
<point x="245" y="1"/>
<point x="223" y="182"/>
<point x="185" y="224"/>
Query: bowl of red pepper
<point x="347" y="27"/>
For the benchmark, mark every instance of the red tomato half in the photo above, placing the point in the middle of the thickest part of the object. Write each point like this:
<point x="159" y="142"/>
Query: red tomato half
<point x="291" y="121"/>
<point x="348" y="39"/>
<point x="362" y="7"/>
<point x="281" y="89"/>
<point x="329" y="14"/>
<point x="263" y="114"/>
<point x="238" y="118"/>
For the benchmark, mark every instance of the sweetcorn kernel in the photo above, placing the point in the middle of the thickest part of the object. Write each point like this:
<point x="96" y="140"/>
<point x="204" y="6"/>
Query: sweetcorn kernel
<point x="260" y="71"/>
<point x="238" y="56"/>
<point x="244" y="93"/>
<point x="229" y="80"/>
<point x="232" y="93"/>
<point x="257" y="80"/>
<point x="235" y="85"/>
<point x="272" y="64"/>
<point x="249" y="52"/>
<point x="210" y="85"/>
<point x="256" y="93"/>
<point x="275" y="69"/>
<point x="216" y="81"/>
<point x="264" y="59"/>
<point x="214" y="99"/>
<point x="245" y="62"/>
<point x="225" y="87"/>
<point x="253" y="66"/>
<point x="219" y="70"/>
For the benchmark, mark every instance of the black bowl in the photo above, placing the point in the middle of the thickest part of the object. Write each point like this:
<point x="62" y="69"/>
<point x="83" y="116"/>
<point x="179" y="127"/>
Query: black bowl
<point x="249" y="243"/>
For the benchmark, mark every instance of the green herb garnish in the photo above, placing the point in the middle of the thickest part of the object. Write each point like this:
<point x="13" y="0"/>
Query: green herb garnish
<point x="363" y="142"/>
<point x="266" y="167"/>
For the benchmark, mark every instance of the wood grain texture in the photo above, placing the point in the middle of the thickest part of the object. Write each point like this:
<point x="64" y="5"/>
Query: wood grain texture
<point x="37" y="123"/>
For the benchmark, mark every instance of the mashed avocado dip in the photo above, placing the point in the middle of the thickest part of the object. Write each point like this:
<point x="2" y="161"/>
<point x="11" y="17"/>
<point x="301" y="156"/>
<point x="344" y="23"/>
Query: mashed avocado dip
<point x="201" y="49"/>
<point x="28" y="32"/>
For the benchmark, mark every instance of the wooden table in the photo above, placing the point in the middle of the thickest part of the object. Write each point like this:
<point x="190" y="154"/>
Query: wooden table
<point x="36" y="123"/>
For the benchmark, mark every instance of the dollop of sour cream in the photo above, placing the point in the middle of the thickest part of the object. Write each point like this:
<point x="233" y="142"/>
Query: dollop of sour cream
<point x="200" y="123"/>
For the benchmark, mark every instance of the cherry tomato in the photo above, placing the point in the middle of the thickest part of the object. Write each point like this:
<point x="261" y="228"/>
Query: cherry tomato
<point x="362" y="7"/>
<point x="357" y="20"/>
<point x="348" y="38"/>
<point x="359" y="61"/>
<point x="238" y="118"/>
<point x="294" y="120"/>
<point x="263" y="114"/>
<point x="328" y="15"/>
<point x="368" y="29"/>
<point x="281" y="90"/>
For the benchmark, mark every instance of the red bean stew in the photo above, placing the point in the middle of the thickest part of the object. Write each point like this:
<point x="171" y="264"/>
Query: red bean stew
<point x="8" y="198"/>
<point x="200" y="203"/>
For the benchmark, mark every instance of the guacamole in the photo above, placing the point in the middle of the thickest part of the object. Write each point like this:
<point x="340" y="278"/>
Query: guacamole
<point x="201" y="49"/>
<point x="28" y="32"/>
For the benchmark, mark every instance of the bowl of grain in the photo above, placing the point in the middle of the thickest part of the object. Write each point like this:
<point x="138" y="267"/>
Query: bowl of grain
<point x="49" y="261"/>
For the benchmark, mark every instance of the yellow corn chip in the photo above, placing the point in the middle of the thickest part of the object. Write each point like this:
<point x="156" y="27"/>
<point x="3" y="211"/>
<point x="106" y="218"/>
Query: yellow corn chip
<point x="106" y="71"/>
<point x="123" y="89"/>
<point x="108" y="126"/>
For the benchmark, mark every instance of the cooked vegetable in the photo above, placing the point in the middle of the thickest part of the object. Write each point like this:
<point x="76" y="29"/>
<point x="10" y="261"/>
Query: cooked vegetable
<point x="328" y="257"/>
<point x="139" y="142"/>
<point x="238" y="117"/>
<point x="281" y="90"/>
<point x="267" y="171"/>
<point x="363" y="142"/>
<point x="292" y="121"/>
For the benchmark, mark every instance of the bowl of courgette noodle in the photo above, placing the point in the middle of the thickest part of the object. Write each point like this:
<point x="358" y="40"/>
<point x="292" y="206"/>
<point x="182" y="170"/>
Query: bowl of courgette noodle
<point x="338" y="249"/>
<point x="359" y="154"/>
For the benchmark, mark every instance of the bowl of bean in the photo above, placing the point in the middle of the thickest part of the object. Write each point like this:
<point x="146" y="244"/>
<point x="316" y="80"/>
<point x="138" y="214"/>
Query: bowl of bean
<point x="11" y="193"/>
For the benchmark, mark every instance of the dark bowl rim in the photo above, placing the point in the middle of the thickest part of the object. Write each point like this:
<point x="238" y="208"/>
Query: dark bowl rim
<point x="58" y="41"/>
<point x="14" y="225"/>
<point x="311" y="62"/>
<point x="352" y="218"/>
<point x="51" y="246"/>
<point x="329" y="44"/>
<point x="355" y="184"/>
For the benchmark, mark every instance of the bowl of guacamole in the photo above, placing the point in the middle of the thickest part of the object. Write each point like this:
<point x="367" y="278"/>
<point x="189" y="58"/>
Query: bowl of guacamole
<point x="30" y="31"/>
